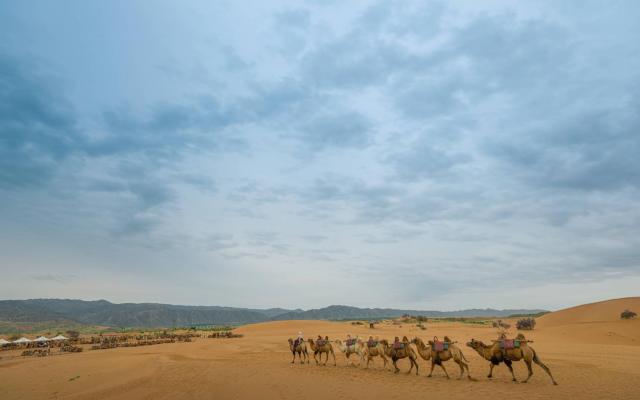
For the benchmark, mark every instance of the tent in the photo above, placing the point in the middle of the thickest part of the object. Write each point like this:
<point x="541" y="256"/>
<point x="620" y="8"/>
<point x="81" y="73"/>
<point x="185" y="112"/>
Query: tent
<point x="4" y="342"/>
<point x="22" y="340"/>
<point x="59" y="337"/>
<point x="41" y="339"/>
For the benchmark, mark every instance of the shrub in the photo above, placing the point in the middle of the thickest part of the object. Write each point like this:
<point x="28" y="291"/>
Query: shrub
<point x="526" y="324"/>
<point x="73" y="334"/>
<point x="500" y="324"/>
<point x="628" y="314"/>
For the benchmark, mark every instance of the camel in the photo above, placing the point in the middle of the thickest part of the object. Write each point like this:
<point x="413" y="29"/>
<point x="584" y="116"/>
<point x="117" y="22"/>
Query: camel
<point x="357" y="348"/>
<point x="375" y="351"/>
<point x="397" y="354"/>
<point x="326" y="347"/>
<point x="438" y="357"/>
<point x="495" y="355"/>
<point x="301" y="348"/>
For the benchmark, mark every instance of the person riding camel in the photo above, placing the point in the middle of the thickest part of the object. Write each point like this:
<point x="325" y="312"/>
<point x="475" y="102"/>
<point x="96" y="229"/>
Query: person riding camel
<point x="370" y="342"/>
<point x="298" y="340"/>
<point x="350" y="342"/>
<point x="397" y="344"/>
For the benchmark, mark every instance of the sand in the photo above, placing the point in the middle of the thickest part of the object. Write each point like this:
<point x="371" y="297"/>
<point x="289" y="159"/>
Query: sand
<point x="591" y="359"/>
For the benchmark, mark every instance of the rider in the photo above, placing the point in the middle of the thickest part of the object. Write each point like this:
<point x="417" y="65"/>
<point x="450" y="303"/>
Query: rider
<point x="370" y="341"/>
<point x="397" y="344"/>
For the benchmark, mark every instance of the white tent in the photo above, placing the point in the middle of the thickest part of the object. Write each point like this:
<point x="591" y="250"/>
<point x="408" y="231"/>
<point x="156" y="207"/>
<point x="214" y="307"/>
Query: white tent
<point x="4" y="342"/>
<point x="41" y="339"/>
<point x="59" y="337"/>
<point x="22" y="340"/>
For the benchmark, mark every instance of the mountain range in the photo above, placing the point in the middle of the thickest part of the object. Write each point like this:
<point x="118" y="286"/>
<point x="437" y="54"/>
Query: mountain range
<point x="105" y="313"/>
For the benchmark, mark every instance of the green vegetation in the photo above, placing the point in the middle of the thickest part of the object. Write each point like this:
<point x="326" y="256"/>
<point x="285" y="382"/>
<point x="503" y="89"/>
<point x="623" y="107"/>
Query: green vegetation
<point x="536" y="315"/>
<point x="475" y="321"/>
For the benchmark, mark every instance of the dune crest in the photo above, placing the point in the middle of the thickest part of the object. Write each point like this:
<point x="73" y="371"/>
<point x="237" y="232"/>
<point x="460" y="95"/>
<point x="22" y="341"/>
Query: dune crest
<point x="602" y="311"/>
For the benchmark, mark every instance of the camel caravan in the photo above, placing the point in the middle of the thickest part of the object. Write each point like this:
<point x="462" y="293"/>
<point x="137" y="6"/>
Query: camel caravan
<point x="437" y="352"/>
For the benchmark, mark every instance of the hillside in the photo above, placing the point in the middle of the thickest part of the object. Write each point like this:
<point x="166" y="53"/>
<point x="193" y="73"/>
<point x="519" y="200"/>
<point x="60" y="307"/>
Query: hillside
<point x="105" y="313"/>
<point x="602" y="311"/>
<point x="339" y="312"/>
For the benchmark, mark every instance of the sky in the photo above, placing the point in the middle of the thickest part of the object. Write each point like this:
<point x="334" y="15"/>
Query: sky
<point x="429" y="155"/>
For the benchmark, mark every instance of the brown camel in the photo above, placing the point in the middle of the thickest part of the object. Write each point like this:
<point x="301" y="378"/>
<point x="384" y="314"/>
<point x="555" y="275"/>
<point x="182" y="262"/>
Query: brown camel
<point x="399" y="353"/>
<point x="299" y="347"/>
<point x="356" y="348"/>
<point x="375" y="351"/>
<point x="427" y="352"/>
<point x="495" y="355"/>
<point x="325" y="347"/>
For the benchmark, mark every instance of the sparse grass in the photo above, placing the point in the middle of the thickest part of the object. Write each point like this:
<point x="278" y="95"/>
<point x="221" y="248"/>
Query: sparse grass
<point x="462" y="320"/>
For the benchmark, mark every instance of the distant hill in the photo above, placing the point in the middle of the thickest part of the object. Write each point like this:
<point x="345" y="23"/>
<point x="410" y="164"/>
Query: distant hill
<point x="150" y="315"/>
<point x="338" y="312"/>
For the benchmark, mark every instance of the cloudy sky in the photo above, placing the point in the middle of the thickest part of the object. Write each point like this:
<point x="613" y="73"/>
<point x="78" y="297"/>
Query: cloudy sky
<point x="301" y="154"/>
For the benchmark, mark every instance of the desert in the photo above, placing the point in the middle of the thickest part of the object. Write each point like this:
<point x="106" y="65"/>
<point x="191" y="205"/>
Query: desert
<point x="315" y="199"/>
<point x="591" y="352"/>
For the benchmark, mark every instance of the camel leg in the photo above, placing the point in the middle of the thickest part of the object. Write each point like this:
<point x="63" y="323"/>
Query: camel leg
<point x="334" y="357"/>
<point x="294" y="357"/>
<point x="415" y="361"/>
<point x="393" y="359"/>
<point x="528" y="362"/>
<point x="306" y="355"/>
<point x="368" y="359"/>
<point x="318" y="358"/>
<point x="444" y="369"/>
<point x="460" y="364"/>
<point x="433" y="364"/>
<point x="513" y="375"/>
<point x="466" y="366"/>
<point x="490" y="371"/>
<point x="411" y="367"/>
<point x="544" y="367"/>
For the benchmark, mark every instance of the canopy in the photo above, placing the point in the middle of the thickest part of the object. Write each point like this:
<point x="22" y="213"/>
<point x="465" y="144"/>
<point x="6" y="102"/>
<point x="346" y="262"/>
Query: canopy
<point x="4" y="342"/>
<point x="41" y="339"/>
<point x="59" y="337"/>
<point x="22" y="340"/>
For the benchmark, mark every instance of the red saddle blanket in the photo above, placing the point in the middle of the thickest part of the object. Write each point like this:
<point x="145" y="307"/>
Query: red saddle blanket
<point x="440" y="346"/>
<point x="508" y="344"/>
<point x="398" y="345"/>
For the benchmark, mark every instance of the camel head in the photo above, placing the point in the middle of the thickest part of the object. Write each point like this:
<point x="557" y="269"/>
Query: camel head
<point x="475" y="344"/>
<point x="290" y="341"/>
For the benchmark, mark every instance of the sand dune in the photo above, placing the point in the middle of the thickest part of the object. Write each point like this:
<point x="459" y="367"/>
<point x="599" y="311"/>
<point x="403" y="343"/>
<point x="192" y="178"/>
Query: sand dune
<point x="603" y="311"/>
<point x="257" y="366"/>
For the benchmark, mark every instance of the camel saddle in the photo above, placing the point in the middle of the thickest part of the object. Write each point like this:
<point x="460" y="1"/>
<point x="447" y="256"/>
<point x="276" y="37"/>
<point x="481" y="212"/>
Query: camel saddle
<point x="439" y="346"/>
<point x="350" y="342"/>
<point x="297" y="342"/>
<point x="398" y="345"/>
<point x="321" y="342"/>
<point x="508" y="344"/>
<point x="372" y="343"/>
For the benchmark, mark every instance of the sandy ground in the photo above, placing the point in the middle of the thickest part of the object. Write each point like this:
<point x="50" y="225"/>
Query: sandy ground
<point x="597" y="359"/>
